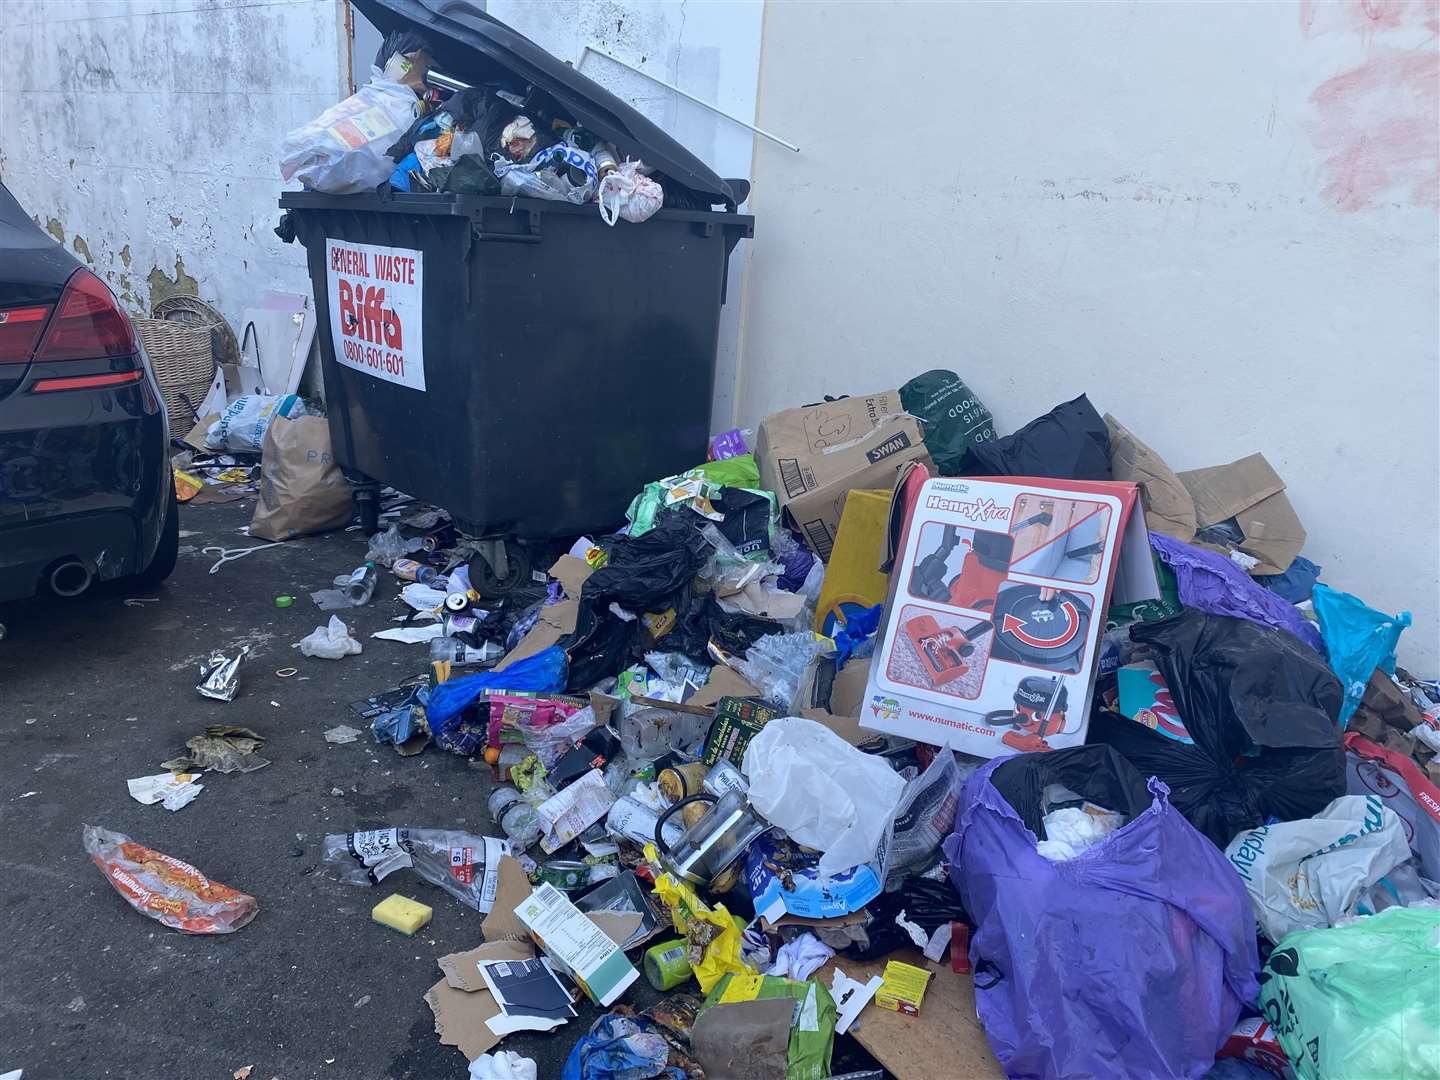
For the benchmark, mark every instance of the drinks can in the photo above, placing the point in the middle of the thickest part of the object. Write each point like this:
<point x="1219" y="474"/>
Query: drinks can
<point x="667" y="965"/>
<point x="565" y="874"/>
<point x="723" y="777"/>
<point x="678" y="781"/>
<point x="604" y="161"/>
<point x="632" y="820"/>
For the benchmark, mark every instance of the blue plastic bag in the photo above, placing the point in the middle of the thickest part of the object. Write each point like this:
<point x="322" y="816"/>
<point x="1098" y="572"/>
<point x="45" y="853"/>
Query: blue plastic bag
<point x="1359" y="639"/>
<point x="619" y="1048"/>
<point x="396" y="726"/>
<point x="1130" y="960"/>
<point x="1296" y="583"/>
<point x="543" y="671"/>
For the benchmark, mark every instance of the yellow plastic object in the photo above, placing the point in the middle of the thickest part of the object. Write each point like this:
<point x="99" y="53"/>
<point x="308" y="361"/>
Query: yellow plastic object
<point x="187" y="485"/>
<point x="401" y="913"/>
<point x="712" y="934"/>
<point x="852" y="579"/>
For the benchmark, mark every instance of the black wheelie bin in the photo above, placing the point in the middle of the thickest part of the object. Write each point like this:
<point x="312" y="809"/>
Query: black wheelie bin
<point x="518" y="361"/>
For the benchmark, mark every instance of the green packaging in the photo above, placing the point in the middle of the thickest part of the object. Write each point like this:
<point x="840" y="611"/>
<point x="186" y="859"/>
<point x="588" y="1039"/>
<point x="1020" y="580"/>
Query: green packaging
<point x="737" y="721"/>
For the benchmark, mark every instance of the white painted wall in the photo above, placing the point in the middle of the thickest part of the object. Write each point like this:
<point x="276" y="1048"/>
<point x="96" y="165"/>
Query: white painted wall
<point x="147" y="132"/>
<point x="1217" y="219"/>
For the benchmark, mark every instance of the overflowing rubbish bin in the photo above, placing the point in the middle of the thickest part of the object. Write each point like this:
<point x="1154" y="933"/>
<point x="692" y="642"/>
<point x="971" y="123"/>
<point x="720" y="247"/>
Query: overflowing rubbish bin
<point x="516" y="361"/>
<point x="527" y="363"/>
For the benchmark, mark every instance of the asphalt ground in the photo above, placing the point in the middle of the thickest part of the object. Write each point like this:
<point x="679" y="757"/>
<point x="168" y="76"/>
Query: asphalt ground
<point x="96" y="690"/>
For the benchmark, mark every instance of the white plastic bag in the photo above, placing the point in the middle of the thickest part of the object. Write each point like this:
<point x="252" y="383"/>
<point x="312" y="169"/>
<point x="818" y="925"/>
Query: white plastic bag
<point x="330" y="642"/>
<point x="342" y="151"/>
<point x="503" y="1065"/>
<point x="628" y="193"/>
<point x="243" y="424"/>
<point x="1308" y="873"/>
<point x="826" y="794"/>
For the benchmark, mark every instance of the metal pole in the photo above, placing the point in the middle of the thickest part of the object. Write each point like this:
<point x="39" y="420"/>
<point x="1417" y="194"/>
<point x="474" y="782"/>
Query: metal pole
<point x="682" y="93"/>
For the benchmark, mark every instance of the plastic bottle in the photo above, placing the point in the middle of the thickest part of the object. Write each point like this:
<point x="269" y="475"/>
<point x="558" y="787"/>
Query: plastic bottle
<point x="457" y="652"/>
<point x="516" y="818"/>
<point x="412" y="570"/>
<point x="361" y="585"/>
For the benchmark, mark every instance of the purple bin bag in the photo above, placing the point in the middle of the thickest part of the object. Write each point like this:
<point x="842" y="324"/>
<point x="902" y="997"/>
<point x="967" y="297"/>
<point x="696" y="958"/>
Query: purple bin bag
<point x="1131" y="960"/>
<point x="1211" y="582"/>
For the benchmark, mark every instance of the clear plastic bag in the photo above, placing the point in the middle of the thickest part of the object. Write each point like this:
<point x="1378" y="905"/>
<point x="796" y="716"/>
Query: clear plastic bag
<point x="385" y="547"/>
<point x="550" y="741"/>
<point x="539" y="178"/>
<point x="169" y="891"/>
<point x="343" y="150"/>
<point x="776" y="663"/>
<point x="464" y="865"/>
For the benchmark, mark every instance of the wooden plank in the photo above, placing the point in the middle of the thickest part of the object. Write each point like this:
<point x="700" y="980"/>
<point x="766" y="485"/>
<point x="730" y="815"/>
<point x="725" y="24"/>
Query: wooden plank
<point x="945" y="1042"/>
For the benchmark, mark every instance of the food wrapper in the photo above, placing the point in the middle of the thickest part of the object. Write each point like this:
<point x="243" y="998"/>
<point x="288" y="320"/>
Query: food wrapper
<point x="220" y="676"/>
<point x="712" y="937"/>
<point x="169" y="891"/>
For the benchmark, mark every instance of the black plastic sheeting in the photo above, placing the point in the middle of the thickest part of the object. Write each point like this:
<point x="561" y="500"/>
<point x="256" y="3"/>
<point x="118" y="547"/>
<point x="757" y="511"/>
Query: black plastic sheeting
<point x="649" y="573"/>
<point x="1261" y="706"/>
<point x="1070" y="442"/>
<point x="470" y="45"/>
<point x="1096" y="773"/>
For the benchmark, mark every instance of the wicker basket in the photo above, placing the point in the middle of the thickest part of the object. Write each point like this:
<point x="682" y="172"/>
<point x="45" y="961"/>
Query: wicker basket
<point x="184" y="363"/>
<point x="192" y="311"/>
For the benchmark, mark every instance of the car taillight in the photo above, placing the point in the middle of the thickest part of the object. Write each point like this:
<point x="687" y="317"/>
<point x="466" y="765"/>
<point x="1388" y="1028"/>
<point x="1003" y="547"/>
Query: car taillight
<point x="19" y="331"/>
<point x="88" y="324"/>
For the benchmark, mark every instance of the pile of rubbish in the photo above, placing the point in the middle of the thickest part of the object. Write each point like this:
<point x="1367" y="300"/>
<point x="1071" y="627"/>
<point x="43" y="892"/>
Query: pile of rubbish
<point x="413" y="129"/>
<point x="1013" y="755"/>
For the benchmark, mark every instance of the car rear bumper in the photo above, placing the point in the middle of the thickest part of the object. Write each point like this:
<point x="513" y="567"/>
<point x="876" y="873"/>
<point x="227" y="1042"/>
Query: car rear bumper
<point x="83" y="474"/>
<point x="109" y="543"/>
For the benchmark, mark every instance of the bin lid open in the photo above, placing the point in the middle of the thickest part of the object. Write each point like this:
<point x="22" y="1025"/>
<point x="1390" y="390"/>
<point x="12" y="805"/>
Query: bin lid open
<point x="465" y="37"/>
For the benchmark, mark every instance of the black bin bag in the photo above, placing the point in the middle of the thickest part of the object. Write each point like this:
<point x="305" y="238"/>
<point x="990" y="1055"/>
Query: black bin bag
<point x="1095" y="773"/>
<point x="1070" y="442"/>
<point x="1261" y="707"/>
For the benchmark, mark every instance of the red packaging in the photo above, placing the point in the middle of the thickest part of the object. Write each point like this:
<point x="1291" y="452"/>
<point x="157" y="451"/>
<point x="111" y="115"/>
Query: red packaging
<point x="168" y="890"/>
<point x="1253" y="1040"/>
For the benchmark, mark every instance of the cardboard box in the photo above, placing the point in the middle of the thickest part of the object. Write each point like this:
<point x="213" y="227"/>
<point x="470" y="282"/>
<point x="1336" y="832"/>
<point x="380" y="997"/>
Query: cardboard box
<point x="853" y="578"/>
<point x="575" y="945"/>
<point x="1251" y="492"/>
<point x="996" y="608"/>
<point x="736" y="722"/>
<point x="813" y="457"/>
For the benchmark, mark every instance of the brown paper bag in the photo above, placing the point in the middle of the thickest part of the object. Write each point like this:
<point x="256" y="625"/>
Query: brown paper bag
<point x="1169" y="506"/>
<point x="302" y="490"/>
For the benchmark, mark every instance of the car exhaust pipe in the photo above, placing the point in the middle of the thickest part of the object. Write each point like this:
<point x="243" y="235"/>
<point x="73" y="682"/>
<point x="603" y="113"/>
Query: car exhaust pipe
<point x="71" y="578"/>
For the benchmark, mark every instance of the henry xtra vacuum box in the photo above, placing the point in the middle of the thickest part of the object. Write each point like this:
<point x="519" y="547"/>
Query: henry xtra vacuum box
<point x="996" y="607"/>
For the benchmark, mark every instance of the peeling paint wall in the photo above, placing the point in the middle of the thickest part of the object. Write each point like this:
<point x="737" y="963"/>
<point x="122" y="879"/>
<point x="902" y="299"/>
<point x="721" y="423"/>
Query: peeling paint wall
<point x="1173" y="206"/>
<point x="144" y="135"/>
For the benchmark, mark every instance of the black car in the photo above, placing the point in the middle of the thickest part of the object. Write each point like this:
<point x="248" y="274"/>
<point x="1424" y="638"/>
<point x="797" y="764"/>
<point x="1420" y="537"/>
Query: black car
<point x="86" y="492"/>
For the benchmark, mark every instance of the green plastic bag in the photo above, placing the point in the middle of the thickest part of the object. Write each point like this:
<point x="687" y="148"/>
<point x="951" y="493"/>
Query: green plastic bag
<point x="695" y="488"/>
<point x="737" y="472"/>
<point x="812" y="1035"/>
<point x="954" y="418"/>
<point x="1361" y="1000"/>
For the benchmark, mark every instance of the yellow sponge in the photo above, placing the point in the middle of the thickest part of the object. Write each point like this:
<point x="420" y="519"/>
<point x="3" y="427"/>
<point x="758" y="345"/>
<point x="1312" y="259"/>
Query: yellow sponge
<point x="401" y="913"/>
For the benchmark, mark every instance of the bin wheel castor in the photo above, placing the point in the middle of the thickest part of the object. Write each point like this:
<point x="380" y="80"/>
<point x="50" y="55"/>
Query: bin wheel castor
<point x="367" y="505"/>
<point x="516" y="561"/>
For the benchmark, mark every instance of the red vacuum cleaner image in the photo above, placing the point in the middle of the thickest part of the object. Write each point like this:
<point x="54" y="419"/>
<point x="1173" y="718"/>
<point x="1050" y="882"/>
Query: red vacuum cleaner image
<point x="944" y="651"/>
<point x="1040" y="703"/>
<point x="963" y="567"/>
